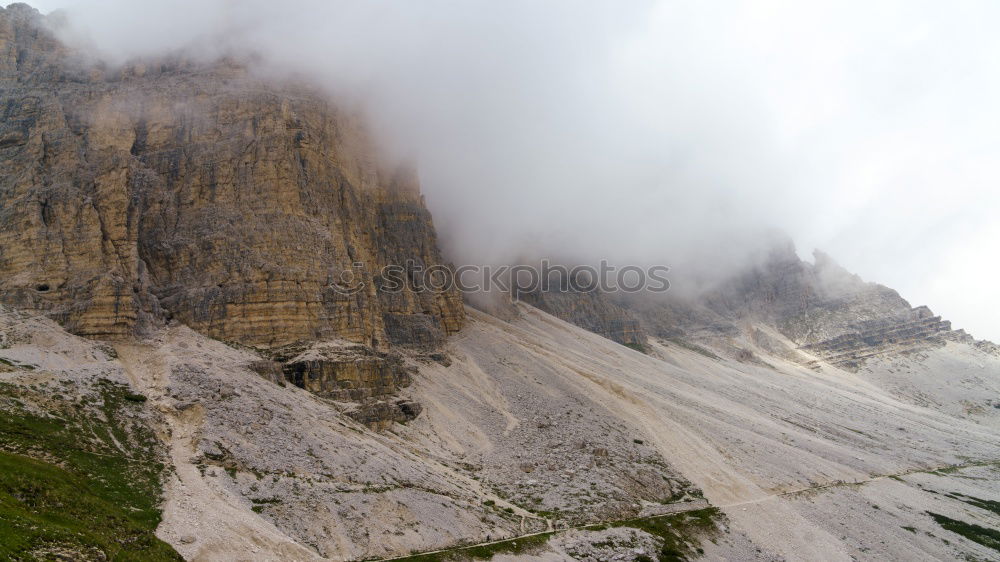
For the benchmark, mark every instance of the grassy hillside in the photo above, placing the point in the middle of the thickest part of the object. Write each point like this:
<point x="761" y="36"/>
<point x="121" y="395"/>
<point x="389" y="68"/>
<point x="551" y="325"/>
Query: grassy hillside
<point x="80" y="473"/>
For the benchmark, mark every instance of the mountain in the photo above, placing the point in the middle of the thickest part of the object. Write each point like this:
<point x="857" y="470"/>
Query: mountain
<point x="172" y="190"/>
<point x="202" y="356"/>
<point x="248" y="210"/>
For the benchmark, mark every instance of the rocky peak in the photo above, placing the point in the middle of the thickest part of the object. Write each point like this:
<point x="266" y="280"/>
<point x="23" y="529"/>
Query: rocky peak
<point x="827" y="311"/>
<point x="818" y="308"/>
<point x="593" y="311"/>
<point x="253" y="212"/>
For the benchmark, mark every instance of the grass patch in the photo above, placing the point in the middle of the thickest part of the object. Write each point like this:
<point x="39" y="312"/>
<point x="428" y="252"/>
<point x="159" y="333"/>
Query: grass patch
<point x="82" y="482"/>
<point x="637" y="347"/>
<point x="986" y="505"/>
<point x="521" y="545"/>
<point x="679" y="532"/>
<point x="989" y="538"/>
<point x="46" y="509"/>
<point x="134" y="397"/>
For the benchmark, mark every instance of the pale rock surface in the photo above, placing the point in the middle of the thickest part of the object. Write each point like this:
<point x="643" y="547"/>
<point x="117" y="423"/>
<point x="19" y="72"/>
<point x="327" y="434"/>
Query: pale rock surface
<point x="173" y="207"/>
<point x="789" y="454"/>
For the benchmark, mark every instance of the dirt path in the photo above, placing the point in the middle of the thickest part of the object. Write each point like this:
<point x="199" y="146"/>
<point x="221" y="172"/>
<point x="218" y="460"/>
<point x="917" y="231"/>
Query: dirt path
<point x="551" y="531"/>
<point x="196" y="505"/>
<point x="697" y="508"/>
<point x="856" y="483"/>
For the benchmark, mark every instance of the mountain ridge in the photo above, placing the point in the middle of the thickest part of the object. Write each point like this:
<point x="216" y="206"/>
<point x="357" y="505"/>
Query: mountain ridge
<point x="186" y="235"/>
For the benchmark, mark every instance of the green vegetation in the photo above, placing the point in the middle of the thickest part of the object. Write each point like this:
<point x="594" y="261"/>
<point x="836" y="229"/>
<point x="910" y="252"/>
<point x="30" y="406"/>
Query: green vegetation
<point x="547" y="514"/>
<point x="82" y="480"/>
<point x="679" y="532"/>
<point x="134" y="397"/>
<point x="16" y="364"/>
<point x="986" y="505"/>
<point x="261" y="503"/>
<point x="989" y="538"/>
<point x="637" y="347"/>
<point x="520" y="545"/>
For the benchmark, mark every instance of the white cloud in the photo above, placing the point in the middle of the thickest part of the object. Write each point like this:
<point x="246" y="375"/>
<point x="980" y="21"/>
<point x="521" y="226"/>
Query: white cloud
<point x="656" y="130"/>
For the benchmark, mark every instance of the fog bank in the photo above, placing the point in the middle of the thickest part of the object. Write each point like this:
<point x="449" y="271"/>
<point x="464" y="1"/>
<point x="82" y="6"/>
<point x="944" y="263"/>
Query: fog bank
<point x="675" y="132"/>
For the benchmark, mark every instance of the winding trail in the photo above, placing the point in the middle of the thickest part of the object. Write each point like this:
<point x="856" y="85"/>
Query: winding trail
<point x="699" y="507"/>
<point x="194" y="506"/>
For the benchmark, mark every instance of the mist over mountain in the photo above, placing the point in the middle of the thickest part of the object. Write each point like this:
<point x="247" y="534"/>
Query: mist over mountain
<point x="652" y="132"/>
<point x="220" y="338"/>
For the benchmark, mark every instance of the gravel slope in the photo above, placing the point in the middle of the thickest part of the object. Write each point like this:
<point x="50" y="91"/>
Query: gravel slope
<point x="749" y="435"/>
<point x="536" y="424"/>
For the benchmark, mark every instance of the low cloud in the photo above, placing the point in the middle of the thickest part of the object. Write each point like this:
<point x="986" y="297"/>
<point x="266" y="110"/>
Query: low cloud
<point x="675" y="132"/>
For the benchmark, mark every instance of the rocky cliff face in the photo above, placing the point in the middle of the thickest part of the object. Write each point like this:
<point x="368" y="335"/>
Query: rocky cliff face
<point x="593" y="311"/>
<point x="809" y="312"/>
<point x="252" y="212"/>
<point x="828" y="312"/>
<point x="817" y="308"/>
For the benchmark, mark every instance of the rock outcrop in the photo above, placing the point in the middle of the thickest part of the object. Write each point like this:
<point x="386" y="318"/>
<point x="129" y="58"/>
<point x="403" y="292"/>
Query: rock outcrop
<point x="818" y="308"/>
<point x="910" y="329"/>
<point x="252" y="212"/>
<point x="347" y="373"/>
<point x="829" y="312"/>
<point x="590" y="310"/>
<point x="806" y="302"/>
<point x="357" y="374"/>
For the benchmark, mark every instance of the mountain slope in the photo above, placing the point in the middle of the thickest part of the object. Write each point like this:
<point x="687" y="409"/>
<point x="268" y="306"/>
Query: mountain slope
<point x="212" y="226"/>
<point x="745" y="434"/>
<point x="538" y="423"/>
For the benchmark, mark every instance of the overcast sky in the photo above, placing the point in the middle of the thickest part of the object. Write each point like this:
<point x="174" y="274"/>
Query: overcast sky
<point x="652" y="131"/>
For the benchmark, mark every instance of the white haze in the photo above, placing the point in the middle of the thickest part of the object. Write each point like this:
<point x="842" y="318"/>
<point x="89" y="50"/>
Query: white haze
<point x="657" y="131"/>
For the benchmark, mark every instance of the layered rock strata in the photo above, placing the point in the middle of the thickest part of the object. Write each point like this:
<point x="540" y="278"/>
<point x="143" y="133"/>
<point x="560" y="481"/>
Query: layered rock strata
<point x="913" y="329"/>
<point x="252" y="212"/>
<point x="365" y="384"/>
<point x="819" y="310"/>
<point x="590" y="310"/>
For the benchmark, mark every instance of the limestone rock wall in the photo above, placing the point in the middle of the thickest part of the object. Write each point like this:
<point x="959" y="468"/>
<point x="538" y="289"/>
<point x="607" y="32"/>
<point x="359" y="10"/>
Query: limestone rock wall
<point x="353" y="373"/>
<point x="822" y="310"/>
<point x="253" y="213"/>
<point x="910" y="329"/>
<point x="591" y="310"/>
<point x="364" y="382"/>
